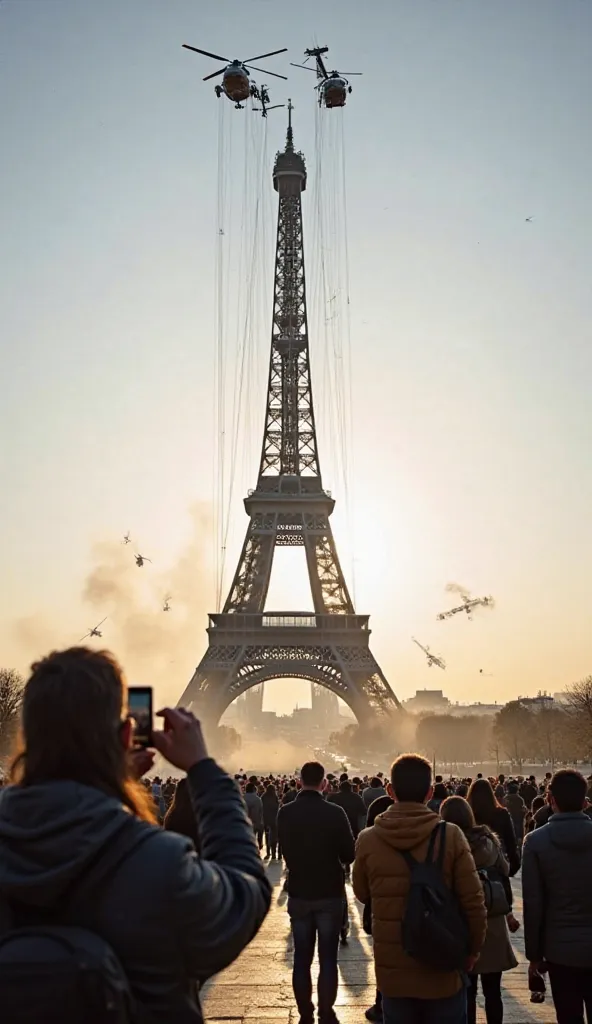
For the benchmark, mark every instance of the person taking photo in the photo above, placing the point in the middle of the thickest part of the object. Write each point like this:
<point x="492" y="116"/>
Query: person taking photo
<point x="132" y="918"/>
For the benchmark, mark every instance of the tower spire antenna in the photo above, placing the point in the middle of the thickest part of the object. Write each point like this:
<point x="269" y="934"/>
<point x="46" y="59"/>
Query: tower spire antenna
<point x="290" y="133"/>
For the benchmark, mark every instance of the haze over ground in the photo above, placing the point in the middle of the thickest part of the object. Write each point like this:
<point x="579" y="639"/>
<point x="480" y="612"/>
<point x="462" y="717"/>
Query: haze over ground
<point x="470" y="327"/>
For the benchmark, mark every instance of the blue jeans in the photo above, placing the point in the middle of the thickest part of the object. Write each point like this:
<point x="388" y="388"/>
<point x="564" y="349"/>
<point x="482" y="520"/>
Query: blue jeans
<point x="426" y="1011"/>
<point x="311" y="918"/>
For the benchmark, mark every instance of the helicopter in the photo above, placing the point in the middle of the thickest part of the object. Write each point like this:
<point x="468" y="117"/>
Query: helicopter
<point x="262" y="96"/>
<point x="468" y="603"/>
<point x="433" y="659"/>
<point x="94" y="631"/>
<point x="127" y="538"/>
<point x="236" y="84"/>
<point x="140" y="559"/>
<point x="167" y="603"/>
<point x="333" y="86"/>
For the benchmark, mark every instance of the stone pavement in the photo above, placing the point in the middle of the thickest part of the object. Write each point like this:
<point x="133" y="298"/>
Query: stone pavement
<point x="257" y="987"/>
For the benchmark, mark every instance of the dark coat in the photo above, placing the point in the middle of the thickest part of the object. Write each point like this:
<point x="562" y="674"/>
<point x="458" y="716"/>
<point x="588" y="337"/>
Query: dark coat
<point x="180" y="816"/>
<point x="271" y="806"/>
<point x="354" y="807"/>
<point x="504" y="829"/>
<point x="517" y="809"/>
<point x="316" y="841"/>
<point x="556" y="891"/>
<point x="544" y="815"/>
<point x="371" y="793"/>
<point x="171" y="918"/>
<point x="378" y="806"/>
<point x="254" y="810"/>
<point x="528" y="791"/>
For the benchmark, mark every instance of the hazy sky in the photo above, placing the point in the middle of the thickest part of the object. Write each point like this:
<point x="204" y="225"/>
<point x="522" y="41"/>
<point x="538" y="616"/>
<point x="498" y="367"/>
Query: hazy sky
<point x="471" y="328"/>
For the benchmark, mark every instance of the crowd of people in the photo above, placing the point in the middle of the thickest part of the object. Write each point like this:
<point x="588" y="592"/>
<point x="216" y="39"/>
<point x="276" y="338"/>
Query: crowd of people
<point x="120" y="897"/>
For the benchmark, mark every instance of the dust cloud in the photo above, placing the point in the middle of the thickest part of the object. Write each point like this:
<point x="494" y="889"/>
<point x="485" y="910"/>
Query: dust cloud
<point x="456" y="588"/>
<point x="35" y="635"/>
<point x="269" y="755"/>
<point x="156" y="648"/>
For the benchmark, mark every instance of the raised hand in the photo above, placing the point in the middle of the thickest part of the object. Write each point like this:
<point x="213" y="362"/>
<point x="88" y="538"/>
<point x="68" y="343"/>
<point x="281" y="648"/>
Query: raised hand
<point x="181" y="742"/>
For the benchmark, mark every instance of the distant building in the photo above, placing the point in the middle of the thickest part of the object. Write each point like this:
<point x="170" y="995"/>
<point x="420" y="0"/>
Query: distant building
<point x="250" y="706"/>
<point x="325" y="706"/>
<point x="541" y="702"/>
<point x="428" y="700"/>
<point x="475" y="709"/>
<point x="561" y="697"/>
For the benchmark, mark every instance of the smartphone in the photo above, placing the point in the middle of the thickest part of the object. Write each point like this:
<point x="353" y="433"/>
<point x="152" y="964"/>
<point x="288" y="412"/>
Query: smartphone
<point x="140" y="711"/>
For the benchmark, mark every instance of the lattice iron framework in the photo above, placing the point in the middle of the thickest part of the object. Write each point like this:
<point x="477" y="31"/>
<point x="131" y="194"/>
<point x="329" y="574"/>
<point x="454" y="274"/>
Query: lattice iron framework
<point x="289" y="507"/>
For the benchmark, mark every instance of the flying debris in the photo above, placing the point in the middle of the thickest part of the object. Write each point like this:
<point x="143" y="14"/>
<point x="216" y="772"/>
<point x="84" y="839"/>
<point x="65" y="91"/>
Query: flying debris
<point x="127" y="539"/>
<point x="140" y="559"/>
<point x="433" y="659"/>
<point x="468" y="603"/>
<point x="167" y="603"/>
<point x="95" y="631"/>
<point x="236" y="84"/>
<point x="262" y="97"/>
<point x="333" y="86"/>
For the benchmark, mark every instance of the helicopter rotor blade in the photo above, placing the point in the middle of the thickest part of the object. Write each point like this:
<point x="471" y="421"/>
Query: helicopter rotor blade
<point x="214" y="75"/>
<point x="262" y="55"/>
<point x="264" y="72"/>
<point x="214" y="56"/>
<point x="351" y="72"/>
<point x="276" y="106"/>
<point x="314" y="70"/>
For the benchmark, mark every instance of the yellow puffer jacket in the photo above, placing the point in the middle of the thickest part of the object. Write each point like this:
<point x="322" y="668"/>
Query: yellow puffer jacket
<point x="381" y="875"/>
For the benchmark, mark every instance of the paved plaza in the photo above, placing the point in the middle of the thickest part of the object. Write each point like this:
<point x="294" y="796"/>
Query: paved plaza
<point x="257" y="987"/>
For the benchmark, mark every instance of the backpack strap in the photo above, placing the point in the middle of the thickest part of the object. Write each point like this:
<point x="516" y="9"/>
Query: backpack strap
<point x="439" y="831"/>
<point x="409" y="860"/>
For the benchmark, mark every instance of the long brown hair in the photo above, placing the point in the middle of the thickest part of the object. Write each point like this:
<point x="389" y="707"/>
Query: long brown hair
<point x="483" y="801"/>
<point x="74" y="706"/>
<point x="458" y="811"/>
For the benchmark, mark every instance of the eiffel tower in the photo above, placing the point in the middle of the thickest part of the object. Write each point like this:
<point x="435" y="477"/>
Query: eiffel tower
<point x="289" y="506"/>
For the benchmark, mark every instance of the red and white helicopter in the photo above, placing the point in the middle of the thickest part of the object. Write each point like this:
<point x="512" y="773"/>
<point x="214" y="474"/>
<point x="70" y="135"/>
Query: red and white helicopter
<point x="333" y="87"/>
<point x="236" y="83"/>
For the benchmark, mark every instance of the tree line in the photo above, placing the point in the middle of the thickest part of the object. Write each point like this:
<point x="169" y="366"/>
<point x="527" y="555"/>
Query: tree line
<point x="224" y="741"/>
<point x="518" y="734"/>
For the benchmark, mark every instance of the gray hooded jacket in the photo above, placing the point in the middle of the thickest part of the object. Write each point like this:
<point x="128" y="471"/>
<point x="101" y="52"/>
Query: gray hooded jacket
<point x="69" y="854"/>
<point x="556" y="889"/>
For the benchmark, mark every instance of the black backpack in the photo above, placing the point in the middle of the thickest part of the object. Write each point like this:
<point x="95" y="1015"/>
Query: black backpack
<point x="496" y="900"/>
<point x="54" y="972"/>
<point x="61" y="975"/>
<point x="434" y="930"/>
